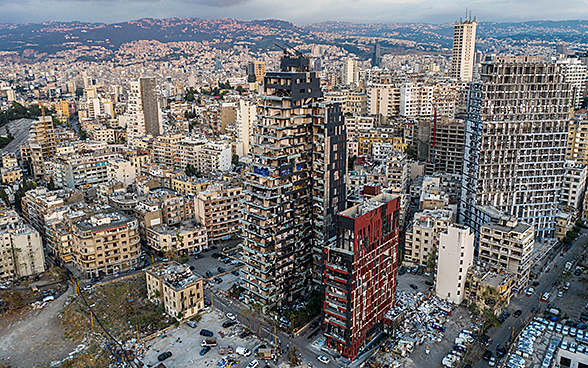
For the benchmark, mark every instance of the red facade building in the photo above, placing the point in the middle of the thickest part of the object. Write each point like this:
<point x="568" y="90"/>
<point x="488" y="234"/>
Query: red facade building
<point x="360" y="273"/>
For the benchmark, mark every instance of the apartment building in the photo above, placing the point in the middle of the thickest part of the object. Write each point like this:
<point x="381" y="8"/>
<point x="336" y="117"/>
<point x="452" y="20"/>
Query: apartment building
<point x="81" y="170"/>
<point x="122" y="170"/>
<point x="488" y="289"/>
<point x="184" y="184"/>
<point x="574" y="185"/>
<point x="21" y="249"/>
<point x="422" y="236"/>
<point x="103" y="134"/>
<point x="218" y="208"/>
<point x="352" y="102"/>
<point x="185" y="238"/>
<point x="464" y="48"/>
<point x="577" y="145"/>
<point x="360" y="273"/>
<point x="214" y="157"/>
<point x="384" y="99"/>
<point x="515" y="150"/>
<point x="575" y="73"/>
<point x="246" y="115"/>
<point x="506" y="244"/>
<point x="175" y="208"/>
<point x="349" y="72"/>
<point x="105" y="243"/>
<point x="40" y="147"/>
<point x="355" y="124"/>
<point x="10" y="175"/>
<point x="176" y="288"/>
<point x="454" y="258"/>
<point x="447" y="146"/>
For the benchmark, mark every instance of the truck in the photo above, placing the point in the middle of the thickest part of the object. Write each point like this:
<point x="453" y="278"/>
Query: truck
<point x="225" y="350"/>
<point x="210" y="341"/>
<point x="264" y="354"/>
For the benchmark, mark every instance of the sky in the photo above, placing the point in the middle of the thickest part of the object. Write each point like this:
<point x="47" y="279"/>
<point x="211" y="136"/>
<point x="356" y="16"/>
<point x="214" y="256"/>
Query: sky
<point x="300" y="12"/>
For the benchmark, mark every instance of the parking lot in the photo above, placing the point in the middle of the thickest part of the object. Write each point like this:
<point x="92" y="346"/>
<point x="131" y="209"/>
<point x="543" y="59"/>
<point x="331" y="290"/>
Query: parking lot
<point x="184" y="344"/>
<point x="208" y="263"/>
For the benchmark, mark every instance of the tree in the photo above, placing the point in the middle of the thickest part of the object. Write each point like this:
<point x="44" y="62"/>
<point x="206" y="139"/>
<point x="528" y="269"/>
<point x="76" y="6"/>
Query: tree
<point x="190" y="170"/>
<point x="240" y="89"/>
<point x="79" y="92"/>
<point x="4" y="197"/>
<point x="351" y="162"/>
<point x="235" y="160"/>
<point x="293" y="358"/>
<point x="51" y="185"/>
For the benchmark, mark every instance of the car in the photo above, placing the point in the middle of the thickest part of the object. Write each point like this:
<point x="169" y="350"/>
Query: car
<point x="192" y="268"/>
<point x="323" y="359"/>
<point x="566" y="286"/>
<point x="517" y="314"/>
<point x="500" y="352"/>
<point x="220" y="270"/>
<point x="430" y="283"/>
<point x="413" y="286"/>
<point x="204" y="350"/>
<point x="535" y="283"/>
<point x="216" y="255"/>
<point x="535" y="309"/>
<point x="545" y="297"/>
<point x="547" y="269"/>
<point x="253" y="364"/>
<point x="192" y="324"/>
<point x="163" y="356"/>
<point x="560" y="294"/>
<point x="206" y="333"/>
<point x="530" y="291"/>
<point x="487" y="355"/>
<point x="230" y="316"/>
<point x="236" y="273"/>
<point x="492" y="362"/>
<point x="245" y="334"/>
<point x="228" y="324"/>
<point x="208" y="273"/>
<point x="218" y="280"/>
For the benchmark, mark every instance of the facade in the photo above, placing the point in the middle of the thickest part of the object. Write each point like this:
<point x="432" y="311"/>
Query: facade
<point x="506" y="245"/>
<point x="246" y="115"/>
<point x="40" y="147"/>
<point x="21" y="249"/>
<point x="515" y="143"/>
<point x="360" y="273"/>
<point x="577" y="149"/>
<point x="80" y="170"/>
<point x="455" y="256"/>
<point x="447" y="145"/>
<point x="150" y="106"/>
<point x="214" y="157"/>
<point x="488" y="289"/>
<point x="464" y="48"/>
<point x="175" y="287"/>
<point x="105" y="243"/>
<point x="575" y="73"/>
<point x="218" y="208"/>
<point x="574" y="185"/>
<point x="349" y="72"/>
<point x="422" y="235"/>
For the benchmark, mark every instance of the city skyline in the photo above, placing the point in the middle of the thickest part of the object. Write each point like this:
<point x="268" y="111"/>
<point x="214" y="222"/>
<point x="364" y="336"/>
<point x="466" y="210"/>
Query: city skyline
<point x="300" y="13"/>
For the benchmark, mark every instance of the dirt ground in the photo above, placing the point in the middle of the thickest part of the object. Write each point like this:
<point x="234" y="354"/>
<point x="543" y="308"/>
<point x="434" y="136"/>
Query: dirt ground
<point x="35" y="338"/>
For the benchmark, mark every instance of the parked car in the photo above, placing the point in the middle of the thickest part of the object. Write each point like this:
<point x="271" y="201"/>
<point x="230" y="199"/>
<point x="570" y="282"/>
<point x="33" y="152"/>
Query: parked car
<point x="517" y="314"/>
<point x="487" y="355"/>
<point x="545" y="297"/>
<point x="323" y="359"/>
<point x="205" y="350"/>
<point x="530" y="291"/>
<point x="208" y="273"/>
<point x="236" y="273"/>
<point x="228" y="324"/>
<point x="218" y="280"/>
<point x="230" y="316"/>
<point x="220" y="270"/>
<point x="192" y="324"/>
<point x="245" y="333"/>
<point x="163" y="356"/>
<point x="207" y="333"/>
<point x="253" y="364"/>
<point x="413" y="286"/>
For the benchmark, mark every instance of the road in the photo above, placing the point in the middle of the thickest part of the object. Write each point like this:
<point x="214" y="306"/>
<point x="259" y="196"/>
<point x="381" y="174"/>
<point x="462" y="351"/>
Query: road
<point x="20" y="130"/>
<point x="512" y="326"/>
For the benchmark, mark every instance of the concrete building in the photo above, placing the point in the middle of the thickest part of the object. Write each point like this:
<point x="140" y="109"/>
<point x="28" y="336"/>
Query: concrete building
<point x="575" y="73"/>
<point x="21" y="249"/>
<point x="574" y="185"/>
<point x="384" y="99"/>
<point x="360" y="273"/>
<point x="214" y="157"/>
<point x="506" y="245"/>
<point x="176" y="288"/>
<point x="464" y="48"/>
<point x="246" y="116"/>
<point x="455" y="256"/>
<point x="106" y="243"/>
<point x="349" y="72"/>
<point x="447" y="146"/>
<point x="422" y="236"/>
<point x="514" y="151"/>
<point x="150" y="106"/>
<point x="488" y="289"/>
<point x="257" y="69"/>
<point x="218" y="208"/>
<point x="39" y="148"/>
<point x="185" y="238"/>
<point x="80" y="170"/>
<point x="577" y="146"/>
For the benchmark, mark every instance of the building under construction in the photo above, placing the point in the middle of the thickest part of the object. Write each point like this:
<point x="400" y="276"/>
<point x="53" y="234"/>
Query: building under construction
<point x="515" y="141"/>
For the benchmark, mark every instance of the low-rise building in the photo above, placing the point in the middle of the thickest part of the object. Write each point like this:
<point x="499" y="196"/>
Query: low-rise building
<point x="574" y="185"/>
<point x="187" y="238"/>
<point x="175" y="287"/>
<point x="564" y="222"/>
<point x="487" y="289"/>
<point x="10" y="175"/>
<point x="422" y="236"/>
<point x="21" y="249"/>
<point x="106" y="243"/>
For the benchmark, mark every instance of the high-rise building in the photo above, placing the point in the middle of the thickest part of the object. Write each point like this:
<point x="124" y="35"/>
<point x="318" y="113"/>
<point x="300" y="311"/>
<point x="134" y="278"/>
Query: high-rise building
<point x="246" y="115"/>
<point x="464" y="48"/>
<point x="577" y="137"/>
<point x="256" y="69"/>
<point x="515" y="142"/>
<point x="150" y="106"/>
<point x="40" y="147"/>
<point x="360" y="273"/>
<point x="277" y="219"/>
<point x="576" y="74"/>
<point x="349" y="72"/>
<point x="455" y="256"/>
<point x="377" y="56"/>
<point x="447" y="142"/>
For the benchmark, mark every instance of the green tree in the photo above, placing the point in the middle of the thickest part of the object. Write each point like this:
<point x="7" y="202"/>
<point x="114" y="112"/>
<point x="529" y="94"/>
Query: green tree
<point x="351" y="162"/>
<point x="4" y="197"/>
<point x="235" y="160"/>
<point x="79" y="92"/>
<point x="190" y="170"/>
<point x="51" y="185"/>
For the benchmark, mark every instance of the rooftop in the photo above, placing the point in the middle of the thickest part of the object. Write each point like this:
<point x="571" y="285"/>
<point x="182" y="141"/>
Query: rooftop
<point x="368" y="206"/>
<point x="176" y="275"/>
<point x="103" y="220"/>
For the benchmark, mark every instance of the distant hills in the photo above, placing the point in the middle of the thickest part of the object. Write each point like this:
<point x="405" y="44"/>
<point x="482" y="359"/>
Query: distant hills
<point x="34" y="40"/>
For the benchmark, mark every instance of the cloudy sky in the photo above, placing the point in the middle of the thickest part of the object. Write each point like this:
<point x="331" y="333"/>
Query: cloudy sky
<point x="299" y="12"/>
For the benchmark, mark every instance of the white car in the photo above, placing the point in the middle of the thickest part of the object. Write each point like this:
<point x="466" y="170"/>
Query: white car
<point x="231" y="316"/>
<point x="492" y="362"/>
<point x="253" y="364"/>
<point x="323" y="359"/>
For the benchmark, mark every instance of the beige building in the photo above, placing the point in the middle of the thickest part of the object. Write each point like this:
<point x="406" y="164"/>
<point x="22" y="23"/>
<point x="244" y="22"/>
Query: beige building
<point x="506" y="244"/>
<point x="21" y="249"/>
<point x="455" y="256"/>
<point x="175" y="287"/>
<point x="574" y="185"/>
<point x="9" y="160"/>
<point x="106" y="243"/>
<point x="218" y="209"/>
<point x="564" y="222"/>
<point x="488" y="289"/>
<point x="422" y="235"/>
<point x="186" y="185"/>
<point x="184" y="239"/>
<point x="464" y="48"/>
<point x="40" y="147"/>
<point x="10" y="175"/>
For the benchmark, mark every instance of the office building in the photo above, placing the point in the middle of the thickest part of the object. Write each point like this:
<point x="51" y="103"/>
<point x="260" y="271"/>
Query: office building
<point x="360" y="273"/>
<point x="175" y="287"/>
<point x="464" y="48"/>
<point x="455" y="256"/>
<point x="515" y="143"/>
<point x="143" y="109"/>
<point x="377" y="55"/>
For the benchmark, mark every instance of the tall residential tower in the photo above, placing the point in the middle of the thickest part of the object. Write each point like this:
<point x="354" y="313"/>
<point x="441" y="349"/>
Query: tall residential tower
<point x="464" y="48"/>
